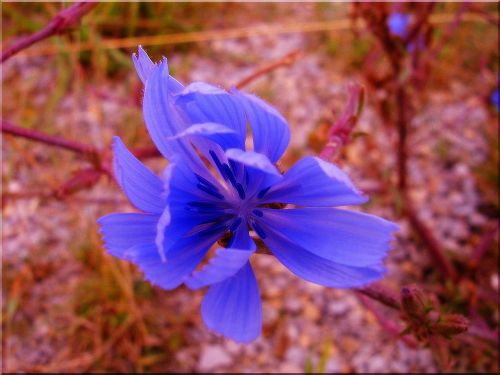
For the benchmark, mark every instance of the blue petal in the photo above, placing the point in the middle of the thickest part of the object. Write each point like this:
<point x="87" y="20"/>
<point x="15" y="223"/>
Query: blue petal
<point x="315" y="182"/>
<point x="226" y="262"/>
<point x="143" y="188"/>
<point x="120" y="232"/>
<point x="171" y="273"/>
<point x="144" y="66"/>
<point x="316" y="269"/>
<point x="165" y="120"/>
<point x="233" y="307"/>
<point x="346" y="237"/>
<point x="206" y="103"/>
<point x="253" y="160"/>
<point x="269" y="129"/>
<point x="220" y="134"/>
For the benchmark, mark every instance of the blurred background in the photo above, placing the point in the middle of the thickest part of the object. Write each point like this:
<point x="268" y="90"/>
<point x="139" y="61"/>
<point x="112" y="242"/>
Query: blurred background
<point x="69" y="307"/>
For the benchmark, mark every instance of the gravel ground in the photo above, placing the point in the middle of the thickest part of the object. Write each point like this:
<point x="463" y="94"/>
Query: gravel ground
<point x="305" y="326"/>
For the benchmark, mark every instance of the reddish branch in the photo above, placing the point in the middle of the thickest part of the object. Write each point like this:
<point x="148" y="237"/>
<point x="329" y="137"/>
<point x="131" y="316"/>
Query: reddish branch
<point x="52" y="140"/>
<point x="376" y="19"/>
<point x="80" y="148"/>
<point x="485" y="243"/>
<point x="286" y="60"/>
<point x="431" y="242"/>
<point x="381" y="294"/>
<point x="401" y="123"/>
<point x="388" y="325"/>
<point x="450" y="31"/>
<point x="62" y="22"/>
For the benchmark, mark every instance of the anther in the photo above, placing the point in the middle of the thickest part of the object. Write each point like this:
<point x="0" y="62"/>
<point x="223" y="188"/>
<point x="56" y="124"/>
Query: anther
<point x="235" y="224"/>
<point x="263" y="192"/>
<point x="219" y="165"/>
<point x="258" y="213"/>
<point x="204" y="181"/>
<point x="241" y="191"/>
<point x="258" y="229"/>
<point x="209" y="191"/>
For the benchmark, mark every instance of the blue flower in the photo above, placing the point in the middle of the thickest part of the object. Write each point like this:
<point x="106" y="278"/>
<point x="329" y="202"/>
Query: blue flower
<point x="495" y="98"/>
<point x="214" y="186"/>
<point x="398" y="24"/>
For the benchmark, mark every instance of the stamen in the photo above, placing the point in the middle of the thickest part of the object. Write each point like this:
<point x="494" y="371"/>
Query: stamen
<point x="247" y="177"/>
<point x="219" y="165"/>
<point x="263" y="192"/>
<point x="208" y="206"/>
<point x="241" y="191"/>
<point x="258" y="229"/>
<point x="233" y="165"/>
<point x="220" y="227"/>
<point x="259" y="213"/>
<point x="235" y="224"/>
<point x="207" y="228"/>
<point x="204" y="181"/>
<point x="229" y="174"/>
<point x="209" y="191"/>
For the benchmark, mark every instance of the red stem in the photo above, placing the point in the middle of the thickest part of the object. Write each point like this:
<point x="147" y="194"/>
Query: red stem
<point x="77" y="147"/>
<point x="63" y="21"/>
<point x="431" y="243"/>
<point x="286" y="60"/>
<point x="484" y="245"/>
<point x="381" y="294"/>
<point x="390" y="326"/>
<point x="402" y="138"/>
<point x="52" y="140"/>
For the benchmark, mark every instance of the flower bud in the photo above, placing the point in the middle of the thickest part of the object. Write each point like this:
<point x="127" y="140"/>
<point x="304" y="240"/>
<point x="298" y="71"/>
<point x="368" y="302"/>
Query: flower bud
<point x="451" y="324"/>
<point x="413" y="302"/>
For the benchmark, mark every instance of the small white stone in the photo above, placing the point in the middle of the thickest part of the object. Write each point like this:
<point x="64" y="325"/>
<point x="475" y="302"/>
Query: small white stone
<point x="295" y="355"/>
<point x="494" y="281"/>
<point x="293" y="305"/>
<point x="290" y="368"/>
<point x="213" y="357"/>
<point x="333" y="366"/>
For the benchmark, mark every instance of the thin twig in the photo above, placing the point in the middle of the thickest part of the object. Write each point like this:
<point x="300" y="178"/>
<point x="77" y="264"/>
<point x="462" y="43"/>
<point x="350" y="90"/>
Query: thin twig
<point x="390" y="326"/>
<point x="286" y="60"/>
<point x="37" y="136"/>
<point x="381" y="294"/>
<point x="484" y="245"/>
<point x="431" y="243"/>
<point x="450" y="30"/>
<point x="62" y="22"/>
<point x="73" y="146"/>
<point x="401" y="124"/>
<point x="211" y="35"/>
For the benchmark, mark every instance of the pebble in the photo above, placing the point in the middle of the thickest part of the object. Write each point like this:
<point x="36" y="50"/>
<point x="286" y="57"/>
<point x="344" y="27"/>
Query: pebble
<point x="338" y="307"/>
<point x="270" y="314"/>
<point x="213" y="357"/>
<point x="295" y="355"/>
<point x="311" y="312"/>
<point x="290" y="368"/>
<point x="293" y="305"/>
<point x="333" y="365"/>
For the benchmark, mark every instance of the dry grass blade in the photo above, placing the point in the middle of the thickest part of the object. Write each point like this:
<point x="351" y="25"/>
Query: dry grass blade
<point x="212" y="35"/>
